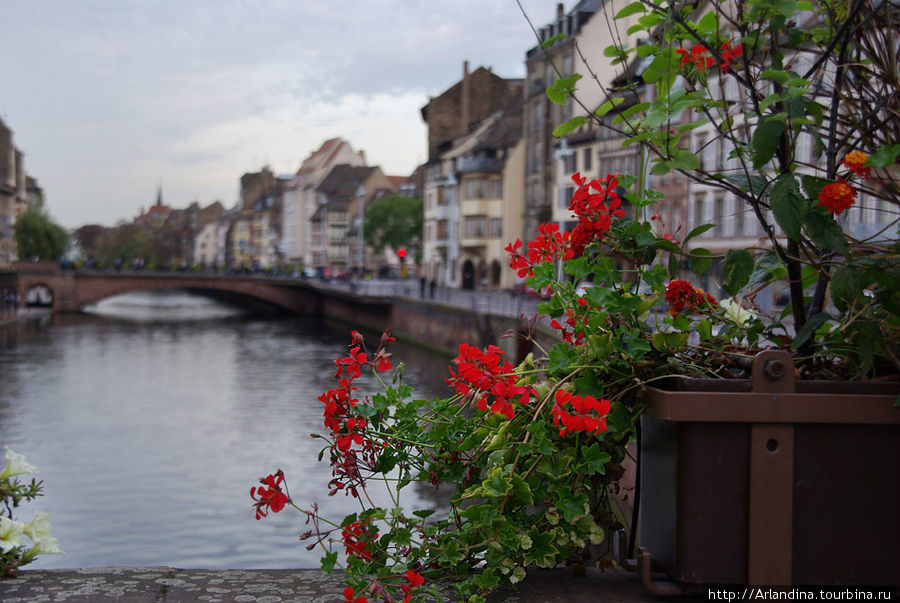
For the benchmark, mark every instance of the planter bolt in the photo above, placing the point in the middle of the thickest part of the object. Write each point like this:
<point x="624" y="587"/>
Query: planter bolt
<point x="774" y="369"/>
<point x="772" y="445"/>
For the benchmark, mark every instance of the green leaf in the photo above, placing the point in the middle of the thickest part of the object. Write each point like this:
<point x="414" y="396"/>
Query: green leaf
<point x="609" y="105"/>
<point x="542" y="552"/>
<point x="708" y="24"/>
<point x="328" y="561"/>
<point x="645" y="50"/>
<point x="573" y="506"/>
<point x="847" y="283"/>
<point x="737" y="270"/>
<point x="551" y="41"/>
<point x="674" y="265"/>
<point x="566" y="127"/>
<point x="562" y="88"/>
<point x="807" y="330"/>
<point x="884" y="156"/>
<point x="669" y="343"/>
<point x="684" y="160"/>
<point x="594" y="459"/>
<point x="776" y="75"/>
<point x="662" y="70"/>
<point x="812" y="186"/>
<point x="824" y="231"/>
<point x="522" y="491"/>
<point x="631" y="9"/>
<point x="701" y="260"/>
<point x="496" y="485"/>
<point x="704" y="329"/>
<point x="765" y="141"/>
<point x="788" y="205"/>
<point x="696" y="232"/>
<point x="560" y="357"/>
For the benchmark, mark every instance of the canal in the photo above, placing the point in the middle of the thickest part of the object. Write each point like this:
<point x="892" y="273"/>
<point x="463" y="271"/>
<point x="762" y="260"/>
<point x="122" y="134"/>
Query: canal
<point x="151" y="418"/>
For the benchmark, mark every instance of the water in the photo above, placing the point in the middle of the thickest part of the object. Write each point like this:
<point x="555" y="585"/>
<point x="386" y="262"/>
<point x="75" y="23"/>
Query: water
<point x="151" y="420"/>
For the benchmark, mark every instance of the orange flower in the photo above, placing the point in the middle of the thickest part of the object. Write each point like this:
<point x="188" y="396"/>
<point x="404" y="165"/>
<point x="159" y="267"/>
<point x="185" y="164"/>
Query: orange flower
<point x="856" y="162"/>
<point x="837" y="197"/>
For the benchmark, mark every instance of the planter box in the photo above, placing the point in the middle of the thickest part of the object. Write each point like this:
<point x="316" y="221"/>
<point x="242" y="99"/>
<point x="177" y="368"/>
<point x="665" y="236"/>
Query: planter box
<point x="769" y="481"/>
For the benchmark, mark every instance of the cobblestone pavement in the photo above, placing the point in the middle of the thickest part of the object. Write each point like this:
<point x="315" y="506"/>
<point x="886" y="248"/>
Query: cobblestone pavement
<point x="158" y="584"/>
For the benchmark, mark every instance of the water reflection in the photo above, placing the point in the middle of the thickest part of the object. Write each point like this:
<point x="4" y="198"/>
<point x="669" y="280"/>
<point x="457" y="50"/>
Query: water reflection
<point x="150" y="434"/>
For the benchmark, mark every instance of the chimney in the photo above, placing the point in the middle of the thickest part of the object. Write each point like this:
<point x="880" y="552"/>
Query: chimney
<point x="464" y="109"/>
<point x="560" y="11"/>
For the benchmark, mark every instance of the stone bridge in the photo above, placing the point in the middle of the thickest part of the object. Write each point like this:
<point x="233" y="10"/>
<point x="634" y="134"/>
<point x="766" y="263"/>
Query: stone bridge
<point x="71" y="291"/>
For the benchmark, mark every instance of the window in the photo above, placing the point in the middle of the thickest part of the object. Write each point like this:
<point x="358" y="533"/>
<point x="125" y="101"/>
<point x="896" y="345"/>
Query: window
<point x="496" y="227"/>
<point x="739" y="211"/>
<point x="699" y="150"/>
<point x="496" y="188"/>
<point x="442" y="230"/>
<point x="718" y="216"/>
<point x="567" y="197"/>
<point x="476" y="188"/>
<point x="587" y="160"/>
<point x="475" y="226"/>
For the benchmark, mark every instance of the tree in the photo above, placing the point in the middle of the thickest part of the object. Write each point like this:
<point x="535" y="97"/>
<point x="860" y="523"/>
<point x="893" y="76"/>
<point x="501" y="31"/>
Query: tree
<point x="394" y="221"/>
<point x="37" y="236"/>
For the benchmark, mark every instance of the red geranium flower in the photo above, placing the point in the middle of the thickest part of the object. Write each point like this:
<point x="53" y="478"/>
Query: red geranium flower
<point x="348" y="596"/>
<point x="589" y="413"/>
<point x="269" y="496"/>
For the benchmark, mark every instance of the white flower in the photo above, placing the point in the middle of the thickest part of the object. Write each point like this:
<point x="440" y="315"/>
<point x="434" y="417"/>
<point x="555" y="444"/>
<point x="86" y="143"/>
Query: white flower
<point x="48" y="546"/>
<point x="737" y="313"/>
<point x="10" y="534"/>
<point x="39" y="528"/>
<point x="16" y="465"/>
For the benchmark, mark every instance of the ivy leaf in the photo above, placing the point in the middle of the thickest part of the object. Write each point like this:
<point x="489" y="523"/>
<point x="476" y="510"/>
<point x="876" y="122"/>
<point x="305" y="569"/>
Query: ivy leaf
<point x="573" y="506"/>
<point x="594" y="459"/>
<point x="329" y="561"/>
<point x="737" y="270"/>
<point x="566" y="127"/>
<point x="542" y="552"/>
<point x="788" y="205"/>
<point x="497" y="485"/>
<point x="562" y="88"/>
<point x="522" y="491"/>
<point x="765" y="141"/>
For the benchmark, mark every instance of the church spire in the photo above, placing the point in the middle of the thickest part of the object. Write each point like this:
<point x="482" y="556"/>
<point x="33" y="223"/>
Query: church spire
<point x="159" y="194"/>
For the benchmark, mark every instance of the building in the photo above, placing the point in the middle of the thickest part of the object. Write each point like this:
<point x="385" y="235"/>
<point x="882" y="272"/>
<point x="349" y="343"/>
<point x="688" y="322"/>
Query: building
<point x="299" y="199"/>
<point x="481" y="201"/>
<point x="336" y="224"/>
<point x="18" y="191"/>
<point x="450" y="117"/>
<point x="584" y="32"/>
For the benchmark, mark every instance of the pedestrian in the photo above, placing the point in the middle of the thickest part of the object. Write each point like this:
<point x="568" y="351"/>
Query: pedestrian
<point x="431" y="287"/>
<point x="422" y="287"/>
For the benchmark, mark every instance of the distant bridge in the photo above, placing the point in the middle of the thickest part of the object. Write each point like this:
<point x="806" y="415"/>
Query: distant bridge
<point x="71" y="291"/>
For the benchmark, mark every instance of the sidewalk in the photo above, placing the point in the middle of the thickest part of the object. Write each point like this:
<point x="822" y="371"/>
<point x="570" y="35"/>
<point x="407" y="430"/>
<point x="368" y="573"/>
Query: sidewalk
<point x="157" y="584"/>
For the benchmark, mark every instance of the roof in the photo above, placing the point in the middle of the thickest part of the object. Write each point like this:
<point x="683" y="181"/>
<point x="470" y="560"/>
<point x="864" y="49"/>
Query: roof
<point x="343" y="181"/>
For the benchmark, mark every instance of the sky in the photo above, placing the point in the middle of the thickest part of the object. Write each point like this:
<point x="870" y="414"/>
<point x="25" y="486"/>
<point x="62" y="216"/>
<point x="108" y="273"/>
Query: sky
<point x="110" y="99"/>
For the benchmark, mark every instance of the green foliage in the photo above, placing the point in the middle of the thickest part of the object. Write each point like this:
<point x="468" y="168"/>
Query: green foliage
<point x="394" y="221"/>
<point x="37" y="236"/>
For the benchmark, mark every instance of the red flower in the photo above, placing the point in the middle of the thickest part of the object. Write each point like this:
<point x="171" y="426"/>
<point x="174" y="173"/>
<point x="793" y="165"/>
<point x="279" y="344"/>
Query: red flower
<point x="856" y="161"/>
<point x="698" y="56"/>
<point x="357" y="537"/>
<point x="837" y="197"/>
<point x="681" y="294"/>
<point x="729" y="54"/>
<point x="485" y="373"/>
<point x="415" y="580"/>
<point x="589" y="413"/>
<point x="348" y="596"/>
<point x="269" y="496"/>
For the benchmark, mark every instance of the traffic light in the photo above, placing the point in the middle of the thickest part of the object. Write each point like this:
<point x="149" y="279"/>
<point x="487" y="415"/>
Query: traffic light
<point x="401" y="253"/>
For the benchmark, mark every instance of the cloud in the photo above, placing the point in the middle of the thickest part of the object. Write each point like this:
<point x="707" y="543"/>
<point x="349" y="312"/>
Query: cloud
<point x="112" y="96"/>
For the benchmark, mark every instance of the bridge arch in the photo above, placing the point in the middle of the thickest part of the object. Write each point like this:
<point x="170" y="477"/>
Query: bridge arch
<point x="91" y="288"/>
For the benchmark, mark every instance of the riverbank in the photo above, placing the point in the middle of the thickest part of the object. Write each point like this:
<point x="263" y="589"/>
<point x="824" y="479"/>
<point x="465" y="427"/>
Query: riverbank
<point x="157" y="584"/>
<point x="22" y="315"/>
